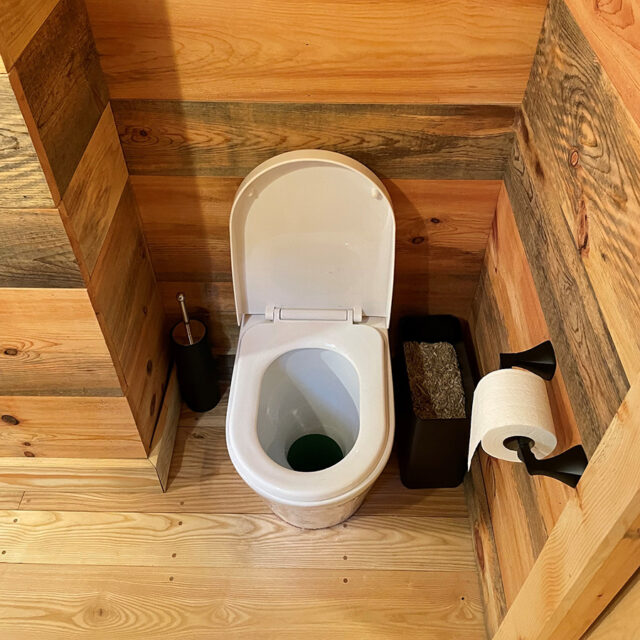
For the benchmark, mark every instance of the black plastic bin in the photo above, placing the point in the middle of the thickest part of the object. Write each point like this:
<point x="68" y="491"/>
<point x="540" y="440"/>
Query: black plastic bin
<point x="432" y="453"/>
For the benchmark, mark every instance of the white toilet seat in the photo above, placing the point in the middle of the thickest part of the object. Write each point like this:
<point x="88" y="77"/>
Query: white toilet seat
<point x="261" y="344"/>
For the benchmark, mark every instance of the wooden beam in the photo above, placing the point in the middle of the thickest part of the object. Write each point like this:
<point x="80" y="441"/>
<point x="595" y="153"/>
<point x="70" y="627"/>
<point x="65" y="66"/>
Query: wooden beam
<point x="594" y="548"/>
<point x="395" y="141"/>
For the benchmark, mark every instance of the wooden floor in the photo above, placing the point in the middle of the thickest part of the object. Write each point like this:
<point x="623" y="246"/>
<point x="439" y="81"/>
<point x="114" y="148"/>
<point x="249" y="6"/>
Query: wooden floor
<point x="208" y="560"/>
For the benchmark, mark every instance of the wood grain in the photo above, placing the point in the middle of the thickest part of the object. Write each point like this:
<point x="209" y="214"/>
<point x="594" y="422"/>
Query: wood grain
<point x="621" y="619"/>
<point x="22" y="181"/>
<point x="205" y="604"/>
<point x="613" y="31"/>
<point x="593" y="549"/>
<point x="164" y="436"/>
<point x="203" y="480"/>
<point x="590" y="365"/>
<point x="587" y="156"/>
<point x="78" y="474"/>
<point x="124" y="293"/>
<point x="64" y="427"/>
<point x="95" y="189"/>
<point x="318" y="51"/>
<point x="64" y="356"/>
<point x="21" y="19"/>
<point x="61" y="85"/>
<point x="170" y="137"/>
<point x="484" y="546"/>
<point x="10" y="499"/>
<point x="203" y="540"/>
<point x="36" y="251"/>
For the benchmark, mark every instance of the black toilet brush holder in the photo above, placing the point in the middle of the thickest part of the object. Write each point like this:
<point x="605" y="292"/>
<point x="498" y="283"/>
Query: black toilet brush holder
<point x="196" y="368"/>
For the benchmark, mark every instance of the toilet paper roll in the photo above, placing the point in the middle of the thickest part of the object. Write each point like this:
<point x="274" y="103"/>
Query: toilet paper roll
<point x="511" y="402"/>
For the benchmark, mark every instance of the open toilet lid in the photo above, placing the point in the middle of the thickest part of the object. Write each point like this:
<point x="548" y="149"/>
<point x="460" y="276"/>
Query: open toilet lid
<point x="312" y="230"/>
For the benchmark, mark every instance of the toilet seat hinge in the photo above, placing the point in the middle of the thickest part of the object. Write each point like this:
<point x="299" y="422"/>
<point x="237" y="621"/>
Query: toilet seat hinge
<point x="287" y="314"/>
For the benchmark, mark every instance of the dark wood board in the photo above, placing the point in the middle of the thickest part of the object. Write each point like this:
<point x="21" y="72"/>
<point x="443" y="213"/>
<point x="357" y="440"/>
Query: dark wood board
<point x="36" y="251"/>
<point x="63" y="87"/>
<point x="169" y="137"/>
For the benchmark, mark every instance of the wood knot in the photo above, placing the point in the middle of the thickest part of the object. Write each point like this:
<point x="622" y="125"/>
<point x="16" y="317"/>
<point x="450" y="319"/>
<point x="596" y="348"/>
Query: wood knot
<point x="435" y="220"/>
<point x="145" y="310"/>
<point x="149" y="367"/>
<point x="417" y="240"/>
<point x="10" y="420"/>
<point x="539" y="171"/>
<point x="29" y="454"/>
<point x="574" y="157"/>
<point x="10" y="352"/>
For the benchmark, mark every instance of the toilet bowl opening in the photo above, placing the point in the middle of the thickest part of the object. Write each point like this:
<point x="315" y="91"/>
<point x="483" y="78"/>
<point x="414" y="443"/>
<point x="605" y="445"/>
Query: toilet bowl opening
<point x="309" y="409"/>
<point x="314" y="452"/>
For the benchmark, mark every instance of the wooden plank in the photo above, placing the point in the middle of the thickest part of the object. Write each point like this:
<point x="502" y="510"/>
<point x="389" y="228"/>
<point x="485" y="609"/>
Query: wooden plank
<point x="22" y="181"/>
<point x="65" y="427"/>
<point x="613" y="31"/>
<point x="484" y="546"/>
<point x="51" y="345"/>
<point x="587" y="156"/>
<point x="21" y="19"/>
<point x="78" y="474"/>
<point x="59" y="80"/>
<point x="203" y="480"/>
<point x="36" y="251"/>
<point x="594" y="548"/>
<point x="590" y="365"/>
<point x="621" y="619"/>
<point x="205" y="604"/>
<point x="124" y="293"/>
<point x="95" y="189"/>
<point x="455" y="52"/>
<point x="10" y="499"/>
<point x="170" y="137"/>
<point x="164" y="436"/>
<point x="205" y="540"/>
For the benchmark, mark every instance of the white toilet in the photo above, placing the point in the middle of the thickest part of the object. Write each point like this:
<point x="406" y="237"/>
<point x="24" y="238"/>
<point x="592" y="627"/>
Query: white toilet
<point x="310" y="420"/>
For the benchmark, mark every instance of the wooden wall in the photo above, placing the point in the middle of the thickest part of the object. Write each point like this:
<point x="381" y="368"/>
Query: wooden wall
<point x="83" y="354"/>
<point x="424" y="95"/>
<point x="563" y="263"/>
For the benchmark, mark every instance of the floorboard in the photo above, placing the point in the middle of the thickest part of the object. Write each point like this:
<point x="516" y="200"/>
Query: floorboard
<point x="207" y="559"/>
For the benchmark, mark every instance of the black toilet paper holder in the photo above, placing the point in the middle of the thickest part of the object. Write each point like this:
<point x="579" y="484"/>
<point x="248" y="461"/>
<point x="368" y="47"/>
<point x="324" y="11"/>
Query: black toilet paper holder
<point x="566" y="467"/>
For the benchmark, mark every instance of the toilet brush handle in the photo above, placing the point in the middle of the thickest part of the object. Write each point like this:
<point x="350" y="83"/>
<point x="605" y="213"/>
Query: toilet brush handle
<point x="185" y="316"/>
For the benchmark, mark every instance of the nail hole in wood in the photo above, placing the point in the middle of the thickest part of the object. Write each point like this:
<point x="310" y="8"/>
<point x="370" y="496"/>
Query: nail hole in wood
<point x="3" y="552"/>
<point x="10" y="420"/>
<point x="173" y="555"/>
<point x="345" y="580"/>
<point x="15" y="519"/>
<point x="170" y="578"/>
<point x="344" y="557"/>
<point x="179" y="523"/>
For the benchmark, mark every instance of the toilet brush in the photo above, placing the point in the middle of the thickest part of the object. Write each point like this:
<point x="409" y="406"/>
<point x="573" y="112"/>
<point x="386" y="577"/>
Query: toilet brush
<point x="195" y="366"/>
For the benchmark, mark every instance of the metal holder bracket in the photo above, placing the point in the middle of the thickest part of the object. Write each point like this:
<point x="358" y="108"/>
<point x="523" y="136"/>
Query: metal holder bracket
<point x="566" y="467"/>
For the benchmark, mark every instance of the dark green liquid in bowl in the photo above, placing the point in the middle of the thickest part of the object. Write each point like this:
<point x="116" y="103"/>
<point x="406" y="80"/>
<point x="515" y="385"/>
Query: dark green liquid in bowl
<point x="314" y="452"/>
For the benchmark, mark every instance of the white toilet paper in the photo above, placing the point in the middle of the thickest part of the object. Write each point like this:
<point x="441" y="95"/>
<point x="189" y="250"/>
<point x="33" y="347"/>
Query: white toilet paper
<point x="511" y="402"/>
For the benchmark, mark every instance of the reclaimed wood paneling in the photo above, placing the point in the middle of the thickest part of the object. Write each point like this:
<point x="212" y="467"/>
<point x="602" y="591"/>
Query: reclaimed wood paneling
<point x="51" y="345"/>
<point x="484" y="546"/>
<point x="58" y="79"/>
<point x="318" y="51"/>
<point x="20" y="21"/>
<point x="22" y="181"/>
<point x="583" y="152"/>
<point x="590" y="365"/>
<point x="124" y="292"/>
<point x="169" y="137"/>
<point x="64" y="427"/>
<point x="593" y="549"/>
<point x="613" y="31"/>
<point x="231" y="604"/>
<point x="442" y="229"/>
<point x="36" y="251"/>
<point x="95" y="189"/>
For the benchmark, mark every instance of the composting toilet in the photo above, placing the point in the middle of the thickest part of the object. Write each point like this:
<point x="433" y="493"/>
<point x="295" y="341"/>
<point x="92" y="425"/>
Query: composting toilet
<point x="310" y="420"/>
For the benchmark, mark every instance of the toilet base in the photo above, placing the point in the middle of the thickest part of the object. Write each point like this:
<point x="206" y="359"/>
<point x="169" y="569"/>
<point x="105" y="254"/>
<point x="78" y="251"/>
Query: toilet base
<point x="317" y="517"/>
